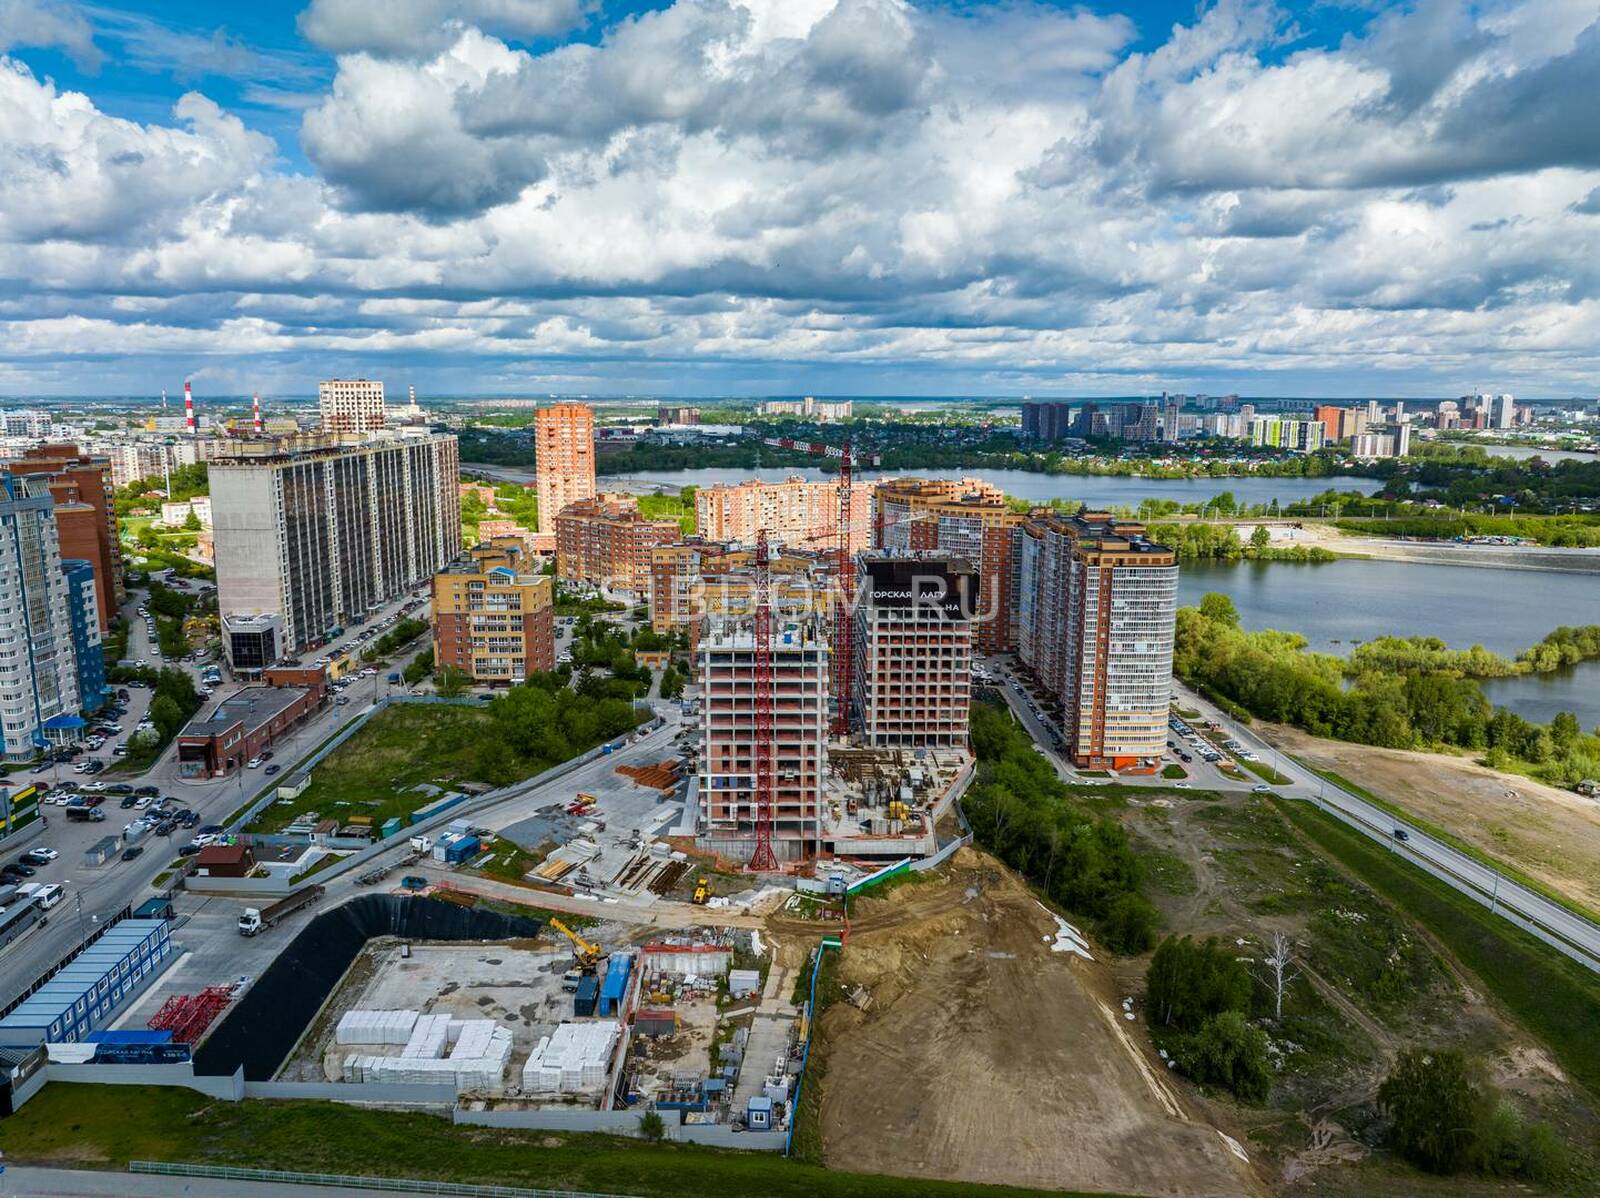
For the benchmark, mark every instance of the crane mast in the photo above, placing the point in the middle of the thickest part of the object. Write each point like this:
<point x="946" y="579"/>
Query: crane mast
<point x="763" y="858"/>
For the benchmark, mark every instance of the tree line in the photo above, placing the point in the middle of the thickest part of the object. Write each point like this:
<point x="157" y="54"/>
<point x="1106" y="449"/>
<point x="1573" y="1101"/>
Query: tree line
<point x="1401" y="694"/>
<point x="1023" y="813"/>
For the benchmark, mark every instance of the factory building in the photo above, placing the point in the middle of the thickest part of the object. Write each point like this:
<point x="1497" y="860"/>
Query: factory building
<point x="1097" y="602"/>
<point x="913" y="651"/>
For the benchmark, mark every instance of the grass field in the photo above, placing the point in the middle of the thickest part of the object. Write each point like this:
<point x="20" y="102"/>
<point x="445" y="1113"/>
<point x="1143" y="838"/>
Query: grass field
<point x="373" y="772"/>
<point x="78" y="1126"/>
<point x="1445" y="836"/>
<point x="1554" y="998"/>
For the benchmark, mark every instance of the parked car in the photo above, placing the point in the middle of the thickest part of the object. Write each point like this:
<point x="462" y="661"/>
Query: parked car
<point x="128" y="854"/>
<point x="152" y="791"/>
<point x="40" y="856"/>
<point x="127" y="802"/>
<point x="253" y="764"/>
<point x="272" y="769"/>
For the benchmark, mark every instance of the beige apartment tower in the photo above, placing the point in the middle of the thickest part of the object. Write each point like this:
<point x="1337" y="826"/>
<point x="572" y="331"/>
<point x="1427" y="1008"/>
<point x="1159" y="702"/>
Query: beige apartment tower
<point x="1096" y="607"/>
<point x="351" y="407"/>
<point x="563" y="447"/>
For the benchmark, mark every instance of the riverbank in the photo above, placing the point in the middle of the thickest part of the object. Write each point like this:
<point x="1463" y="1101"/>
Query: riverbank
<point x="1433" y="553"/>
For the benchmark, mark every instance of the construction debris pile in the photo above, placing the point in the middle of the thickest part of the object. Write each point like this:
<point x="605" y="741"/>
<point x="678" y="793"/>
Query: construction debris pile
<point x="478" y="1049"/>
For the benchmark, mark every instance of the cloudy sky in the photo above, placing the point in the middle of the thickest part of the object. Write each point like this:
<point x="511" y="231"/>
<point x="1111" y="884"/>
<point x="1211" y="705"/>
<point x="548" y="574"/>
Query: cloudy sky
<point x="782" y="196"/>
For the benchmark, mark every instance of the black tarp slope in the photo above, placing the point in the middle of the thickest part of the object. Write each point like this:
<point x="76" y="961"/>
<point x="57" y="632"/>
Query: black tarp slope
<point x="261" y="1030"/>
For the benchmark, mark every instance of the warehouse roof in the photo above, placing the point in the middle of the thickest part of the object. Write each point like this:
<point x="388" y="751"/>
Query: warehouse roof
<point x="252" y="707"/>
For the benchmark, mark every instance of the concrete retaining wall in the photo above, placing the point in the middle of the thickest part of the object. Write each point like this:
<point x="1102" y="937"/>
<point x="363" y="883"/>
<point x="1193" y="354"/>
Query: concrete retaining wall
<point x="621" y="1123"/>
<point x="229" y="1087"/>
<point x="373" y="1093"/>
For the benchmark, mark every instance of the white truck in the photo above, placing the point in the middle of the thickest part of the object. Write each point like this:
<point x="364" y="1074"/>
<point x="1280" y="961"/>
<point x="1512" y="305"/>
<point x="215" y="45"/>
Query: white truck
<point x="253" y="919"/>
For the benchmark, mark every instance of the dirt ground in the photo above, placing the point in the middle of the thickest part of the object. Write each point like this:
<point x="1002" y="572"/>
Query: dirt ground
<point x="1552" y="835"/>
<point x="986" y="1057"/>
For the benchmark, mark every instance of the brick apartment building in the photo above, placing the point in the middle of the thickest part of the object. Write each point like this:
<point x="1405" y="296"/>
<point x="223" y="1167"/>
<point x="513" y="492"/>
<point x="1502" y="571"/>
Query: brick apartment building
<point x="912" y="674"/>
<point x="797" y="513"/>
<point x="85" y="515"/>
<point x="604" y="541"/>
<point x="964" y="518"/>
<point x="694" y="580"/>
<point x="563" y="449"/>
<point x="248" y="721"/>
<point x="491" y="618"/>
<point x="1095" y="612"/>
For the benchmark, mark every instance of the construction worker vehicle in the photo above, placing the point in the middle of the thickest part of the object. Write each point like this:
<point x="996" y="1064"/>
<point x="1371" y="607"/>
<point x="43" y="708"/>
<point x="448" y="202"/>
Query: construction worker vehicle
<point x="702" y="891"/>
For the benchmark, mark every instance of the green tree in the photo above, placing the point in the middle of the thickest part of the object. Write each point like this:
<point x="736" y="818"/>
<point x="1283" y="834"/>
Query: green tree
<point x="1219" y="609"/>
<point x="1189" y="982"/>
<point x="1564" y="731"/>
<point x="451" y="682"/>
<point x="1229" y="1052"/>
<point x="1436" y="1106"/>
<point x="651" y="1126"/>
<point x="1260" y="538"/>
<point x="191" y="522"/>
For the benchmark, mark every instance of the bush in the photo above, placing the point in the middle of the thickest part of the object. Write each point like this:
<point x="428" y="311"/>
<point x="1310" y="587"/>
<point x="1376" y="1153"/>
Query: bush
<point x="1130" y="925"/>
<point x="651" y="1126"/>
<point x="1229" y="1052"/>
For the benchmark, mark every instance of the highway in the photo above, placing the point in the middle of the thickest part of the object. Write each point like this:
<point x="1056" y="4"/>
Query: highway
<point x="1558" y="926"/>
<point x="1571" y="933"/>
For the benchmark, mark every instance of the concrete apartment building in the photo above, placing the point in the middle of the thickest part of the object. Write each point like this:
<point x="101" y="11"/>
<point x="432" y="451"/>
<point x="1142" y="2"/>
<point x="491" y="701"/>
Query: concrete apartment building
<point x="810" y="408"/>
<point x="147" y="458"/>
<point x="39" y="701"/>
<point x="563" y="453"/>
<point x="725" y="669"/>
<point x="85" y="515"/>
<point x="351" y="407"/>
<point x="693" y="581"/>
<point x="491" y="620"/>
<point x="912" y="671"/>
<point x="605" y="542"/>
<point x="83" y="625"/>
<point x="1340" y="423"/>
<point x="796" y="513"/>
<point x="1097" y="602"/>
<point x="312" y="536"/>
<point x="964" y="518"/>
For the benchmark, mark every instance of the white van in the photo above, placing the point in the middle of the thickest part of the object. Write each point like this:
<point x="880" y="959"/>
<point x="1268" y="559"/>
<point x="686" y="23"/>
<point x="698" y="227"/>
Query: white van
<point x="45" y="894"/>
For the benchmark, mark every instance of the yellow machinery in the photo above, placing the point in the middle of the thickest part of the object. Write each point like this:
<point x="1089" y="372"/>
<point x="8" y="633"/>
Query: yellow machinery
<point x="702" y="890"/>
<point x="899" y="810"/>
<point x="588" y="954"/>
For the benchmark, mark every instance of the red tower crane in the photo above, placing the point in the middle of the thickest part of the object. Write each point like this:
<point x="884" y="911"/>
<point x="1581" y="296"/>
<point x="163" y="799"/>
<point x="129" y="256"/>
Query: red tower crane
<point x="762" y="857"/>
<point x="845" y="570"/>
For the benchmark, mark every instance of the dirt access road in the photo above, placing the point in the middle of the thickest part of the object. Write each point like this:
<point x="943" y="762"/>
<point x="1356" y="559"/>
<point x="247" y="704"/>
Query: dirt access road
<point x="986" y="1057"/>
<point x="1549" y="834"/>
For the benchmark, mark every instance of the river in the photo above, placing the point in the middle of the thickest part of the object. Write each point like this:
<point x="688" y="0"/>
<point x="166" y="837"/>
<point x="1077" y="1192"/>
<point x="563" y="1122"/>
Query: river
<point x="1337" y="604"/>
<point x="1098" y="491"/>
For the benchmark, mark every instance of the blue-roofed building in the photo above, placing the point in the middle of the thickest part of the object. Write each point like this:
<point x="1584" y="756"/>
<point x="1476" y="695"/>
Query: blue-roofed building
<point x="93" y="987"/>
<point x="83" y="620"/>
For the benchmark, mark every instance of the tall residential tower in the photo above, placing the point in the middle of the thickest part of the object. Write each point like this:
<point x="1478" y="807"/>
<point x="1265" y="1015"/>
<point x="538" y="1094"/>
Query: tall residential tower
<point x="563" y="450"/>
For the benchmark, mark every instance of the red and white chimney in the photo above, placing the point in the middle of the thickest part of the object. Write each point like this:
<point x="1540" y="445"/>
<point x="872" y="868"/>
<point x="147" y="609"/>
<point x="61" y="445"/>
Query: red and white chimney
<point x="256" y="401"/>
<point x="188" y="409"/>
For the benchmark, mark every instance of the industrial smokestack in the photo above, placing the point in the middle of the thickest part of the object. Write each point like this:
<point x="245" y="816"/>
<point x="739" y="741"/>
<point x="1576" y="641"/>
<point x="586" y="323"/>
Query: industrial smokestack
<point x="256" y="401"/>
<point x="188" y="408"/>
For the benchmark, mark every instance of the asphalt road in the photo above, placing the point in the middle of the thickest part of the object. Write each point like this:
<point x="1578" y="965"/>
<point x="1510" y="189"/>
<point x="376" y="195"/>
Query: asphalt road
<point x="28" y="1182"/>
<point x="1577" y="937"/>
<point x="95" y="893"/>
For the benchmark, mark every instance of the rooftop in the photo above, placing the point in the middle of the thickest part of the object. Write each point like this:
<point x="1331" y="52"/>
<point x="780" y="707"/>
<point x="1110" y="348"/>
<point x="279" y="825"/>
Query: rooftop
<point x="252" y="707"/>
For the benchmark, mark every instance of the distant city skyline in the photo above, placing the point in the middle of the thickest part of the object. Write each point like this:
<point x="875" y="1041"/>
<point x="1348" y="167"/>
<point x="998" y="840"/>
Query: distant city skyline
<point x="683" y="198"/>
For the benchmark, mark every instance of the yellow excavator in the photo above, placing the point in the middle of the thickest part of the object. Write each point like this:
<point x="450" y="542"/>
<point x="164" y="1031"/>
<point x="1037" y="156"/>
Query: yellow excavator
<point x="702" y="891"/>
<point x="588" y="954"/>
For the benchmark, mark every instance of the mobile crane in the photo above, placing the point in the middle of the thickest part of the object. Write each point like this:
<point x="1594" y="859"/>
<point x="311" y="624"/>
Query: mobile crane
<point x="587" y="954"/>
